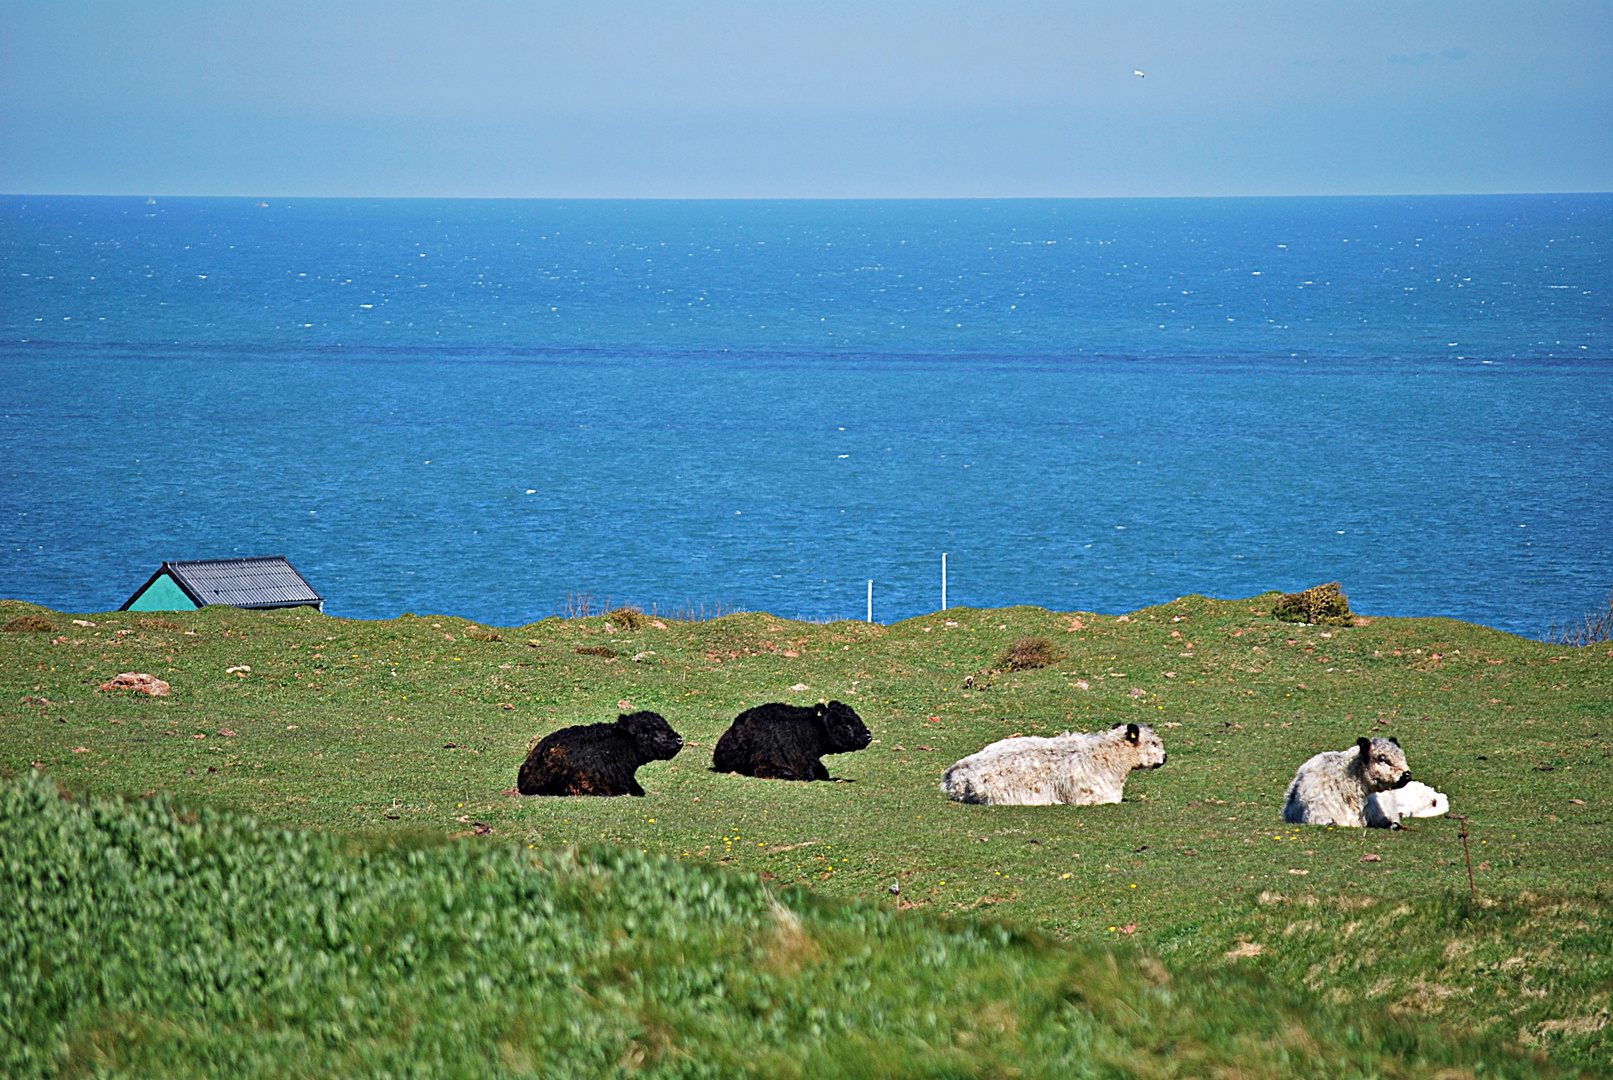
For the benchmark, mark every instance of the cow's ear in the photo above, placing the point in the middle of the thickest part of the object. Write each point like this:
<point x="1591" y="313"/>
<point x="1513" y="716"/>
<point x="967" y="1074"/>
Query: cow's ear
<point x="1132" y="731"/>
<point x="1394" y="740"/>
<point x="1366" y="747"/>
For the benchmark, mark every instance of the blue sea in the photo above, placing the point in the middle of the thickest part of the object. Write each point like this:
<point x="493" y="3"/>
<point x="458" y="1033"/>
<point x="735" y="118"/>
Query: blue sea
<point x="482" y="408"/>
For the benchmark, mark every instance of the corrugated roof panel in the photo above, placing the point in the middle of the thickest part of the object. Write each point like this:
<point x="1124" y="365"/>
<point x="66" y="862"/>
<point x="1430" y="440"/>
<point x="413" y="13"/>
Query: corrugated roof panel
<point x="268" y="581"/>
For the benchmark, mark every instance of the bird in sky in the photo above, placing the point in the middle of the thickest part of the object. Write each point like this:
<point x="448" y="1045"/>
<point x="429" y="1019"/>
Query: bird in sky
<point x="1139" y="74"/>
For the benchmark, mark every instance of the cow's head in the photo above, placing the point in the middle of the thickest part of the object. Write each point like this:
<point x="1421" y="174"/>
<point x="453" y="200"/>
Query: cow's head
<point x="844" y="728"/>
<point x="1146" y="742"/>
<point x="651" y="734"/>
<point x="1383" y="764"/>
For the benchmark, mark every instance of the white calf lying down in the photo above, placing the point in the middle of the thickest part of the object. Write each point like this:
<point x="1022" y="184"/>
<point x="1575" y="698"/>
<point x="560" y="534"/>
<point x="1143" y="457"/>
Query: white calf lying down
<point x="1384" y="809"/>
<point x="1075" y="770"/>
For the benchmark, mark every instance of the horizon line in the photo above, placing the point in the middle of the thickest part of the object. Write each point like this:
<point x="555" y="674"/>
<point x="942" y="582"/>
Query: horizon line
<point x="802" y="198"/>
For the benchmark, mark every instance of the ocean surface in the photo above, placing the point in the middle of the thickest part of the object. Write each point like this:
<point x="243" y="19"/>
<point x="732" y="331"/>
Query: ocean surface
<point x="483" y="408"/>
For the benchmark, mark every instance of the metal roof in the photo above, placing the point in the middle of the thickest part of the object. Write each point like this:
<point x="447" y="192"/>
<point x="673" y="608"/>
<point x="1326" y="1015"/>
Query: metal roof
<point x="267" y="581"/>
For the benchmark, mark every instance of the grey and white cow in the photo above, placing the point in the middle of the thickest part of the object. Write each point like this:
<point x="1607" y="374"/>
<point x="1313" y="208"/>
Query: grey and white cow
<point x="1332" y="788"/>
<point x="1081" y="769"/>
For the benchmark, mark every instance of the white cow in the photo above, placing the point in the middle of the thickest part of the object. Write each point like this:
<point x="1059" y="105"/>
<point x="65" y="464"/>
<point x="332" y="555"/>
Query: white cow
<point x="1332" y="787"/>
<point x="1071" y="769"/>
<point x="1384" y="809"/>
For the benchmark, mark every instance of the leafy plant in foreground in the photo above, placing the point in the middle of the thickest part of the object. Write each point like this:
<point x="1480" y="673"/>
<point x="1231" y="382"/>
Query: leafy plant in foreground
<point x="142" y="940"/>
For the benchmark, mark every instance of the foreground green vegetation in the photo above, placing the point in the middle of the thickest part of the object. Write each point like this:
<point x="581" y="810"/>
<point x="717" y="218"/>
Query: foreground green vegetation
<point x="411" y="727"/>
<point x="148" y="942"/>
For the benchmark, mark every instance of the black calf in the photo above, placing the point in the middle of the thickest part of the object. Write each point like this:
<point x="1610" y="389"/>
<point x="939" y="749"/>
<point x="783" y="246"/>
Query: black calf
<point x="598" y="759"/>
<point x="784" y="742"/>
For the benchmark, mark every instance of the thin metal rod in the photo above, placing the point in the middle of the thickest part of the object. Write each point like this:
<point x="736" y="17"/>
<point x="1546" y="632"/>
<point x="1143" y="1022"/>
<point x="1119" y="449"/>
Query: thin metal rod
<point x="943" y="581"/>
<point x="1472" y="889"/>
<point x="870" y="601"/>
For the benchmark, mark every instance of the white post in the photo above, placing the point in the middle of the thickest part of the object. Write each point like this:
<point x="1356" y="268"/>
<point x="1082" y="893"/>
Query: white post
<point x="870" y="601"/>
<point x="943" y="581"/>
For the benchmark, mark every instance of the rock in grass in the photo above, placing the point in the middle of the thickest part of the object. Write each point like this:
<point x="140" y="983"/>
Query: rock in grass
<point x="139" y="682"/>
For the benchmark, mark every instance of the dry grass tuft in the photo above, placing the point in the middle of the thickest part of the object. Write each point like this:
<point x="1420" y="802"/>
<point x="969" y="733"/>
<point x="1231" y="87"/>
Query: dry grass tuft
<point x="628" y="618"/>
<point x="596" y="650"/>
<point x="691" y="611"/>
<point x="791" y="947"/>
<point x="1322" y="604"/>
<point x="479" y="634"/>
<point x="1028" y="653"/>
<point x="29" y="624"/>
<point x="159" y="624"/>
<point x="1595" y="628"/>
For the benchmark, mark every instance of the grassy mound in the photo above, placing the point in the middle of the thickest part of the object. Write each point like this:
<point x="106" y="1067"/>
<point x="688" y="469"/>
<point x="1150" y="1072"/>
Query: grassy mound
<point x="142" y="941"/>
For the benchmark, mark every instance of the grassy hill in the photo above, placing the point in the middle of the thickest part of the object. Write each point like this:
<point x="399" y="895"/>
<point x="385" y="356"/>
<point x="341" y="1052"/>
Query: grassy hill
<point x="382" y="733"/>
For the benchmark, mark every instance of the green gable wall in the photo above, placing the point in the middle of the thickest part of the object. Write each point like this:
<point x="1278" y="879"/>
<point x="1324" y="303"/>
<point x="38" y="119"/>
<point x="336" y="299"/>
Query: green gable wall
<point x="164" y="594"/>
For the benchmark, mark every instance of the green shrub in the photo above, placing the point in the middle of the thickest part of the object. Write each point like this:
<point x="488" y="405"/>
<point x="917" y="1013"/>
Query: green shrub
<point x="1321" y="604"/>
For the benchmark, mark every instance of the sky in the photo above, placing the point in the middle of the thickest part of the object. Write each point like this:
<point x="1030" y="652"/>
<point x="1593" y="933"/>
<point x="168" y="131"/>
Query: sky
<point x="804" y="100"/>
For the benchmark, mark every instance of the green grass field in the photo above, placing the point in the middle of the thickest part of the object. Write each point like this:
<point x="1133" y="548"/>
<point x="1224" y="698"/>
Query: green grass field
<point x="384" y="734"/>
